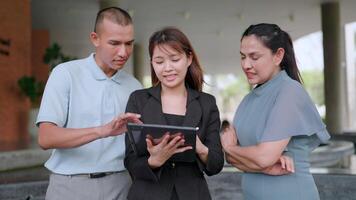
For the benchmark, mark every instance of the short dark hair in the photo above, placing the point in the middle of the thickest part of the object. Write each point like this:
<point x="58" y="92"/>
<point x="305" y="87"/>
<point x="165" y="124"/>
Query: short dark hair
<point x="273" y="37"/>
<point x="114" y="14"/>
<point x="176" y="39"/>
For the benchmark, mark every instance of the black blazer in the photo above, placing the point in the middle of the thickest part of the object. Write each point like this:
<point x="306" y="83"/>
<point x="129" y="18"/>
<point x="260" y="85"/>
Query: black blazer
<point x="187" y="178"/>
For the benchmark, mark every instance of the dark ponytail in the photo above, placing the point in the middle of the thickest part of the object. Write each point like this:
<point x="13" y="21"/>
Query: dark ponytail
<point x="274" y="38"/>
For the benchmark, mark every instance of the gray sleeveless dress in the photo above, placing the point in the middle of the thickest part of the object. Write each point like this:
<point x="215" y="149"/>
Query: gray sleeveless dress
<point x="276" y="110"/>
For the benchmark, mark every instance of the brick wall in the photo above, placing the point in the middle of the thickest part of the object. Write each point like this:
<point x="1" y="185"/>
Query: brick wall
<point x="15" y="61"/>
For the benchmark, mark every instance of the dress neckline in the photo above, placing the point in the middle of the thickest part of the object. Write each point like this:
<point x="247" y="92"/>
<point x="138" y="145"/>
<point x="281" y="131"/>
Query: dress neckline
<point x="270" y="83"/>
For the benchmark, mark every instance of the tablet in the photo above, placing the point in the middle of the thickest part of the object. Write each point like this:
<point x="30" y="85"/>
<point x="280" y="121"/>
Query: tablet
<point x="137" y="134"/>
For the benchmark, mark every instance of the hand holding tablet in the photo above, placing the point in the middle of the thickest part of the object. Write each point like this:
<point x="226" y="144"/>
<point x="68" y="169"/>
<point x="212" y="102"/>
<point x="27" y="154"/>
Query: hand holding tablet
<point x="138" y="133"/>
<point x="158" y="140"/>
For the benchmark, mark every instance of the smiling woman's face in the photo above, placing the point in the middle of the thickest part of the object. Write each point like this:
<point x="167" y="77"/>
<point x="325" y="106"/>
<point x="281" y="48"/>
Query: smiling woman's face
<point x="170" y="65"/>
<point x="257" y="61"/>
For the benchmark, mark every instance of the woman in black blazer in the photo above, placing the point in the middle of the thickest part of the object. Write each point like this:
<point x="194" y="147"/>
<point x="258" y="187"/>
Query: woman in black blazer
<point x="176" y="98"/>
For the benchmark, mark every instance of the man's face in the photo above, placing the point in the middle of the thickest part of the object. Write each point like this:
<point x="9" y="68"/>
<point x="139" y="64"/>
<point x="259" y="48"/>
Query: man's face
<point x="114" y="45"/>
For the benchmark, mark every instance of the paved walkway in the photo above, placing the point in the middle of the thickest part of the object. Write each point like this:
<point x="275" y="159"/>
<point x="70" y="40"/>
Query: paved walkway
<point x="22" y="176"/>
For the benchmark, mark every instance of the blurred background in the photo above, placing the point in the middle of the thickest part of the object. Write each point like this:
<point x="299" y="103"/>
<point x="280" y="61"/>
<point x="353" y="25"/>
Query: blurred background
<point x="36" y="35"/>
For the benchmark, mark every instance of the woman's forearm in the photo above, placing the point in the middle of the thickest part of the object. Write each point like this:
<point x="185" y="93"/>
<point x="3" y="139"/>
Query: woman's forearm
<point x="258" y="156"/>
<point x="246" y="155"/>
<point x="244" y="168"/>
<point x="243" y="164"/>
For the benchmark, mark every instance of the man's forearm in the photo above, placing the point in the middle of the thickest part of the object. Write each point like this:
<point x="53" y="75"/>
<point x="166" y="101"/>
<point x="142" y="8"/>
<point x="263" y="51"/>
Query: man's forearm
<point x="51" y="136"/>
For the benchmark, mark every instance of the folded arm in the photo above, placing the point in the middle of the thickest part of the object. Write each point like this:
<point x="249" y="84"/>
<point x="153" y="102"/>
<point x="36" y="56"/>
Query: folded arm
<point x="256" y="158"/>
<point x="260" y="156"/>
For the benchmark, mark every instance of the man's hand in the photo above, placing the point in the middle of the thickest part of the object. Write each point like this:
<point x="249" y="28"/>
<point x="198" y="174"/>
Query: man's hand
<point x="118" y="125"/>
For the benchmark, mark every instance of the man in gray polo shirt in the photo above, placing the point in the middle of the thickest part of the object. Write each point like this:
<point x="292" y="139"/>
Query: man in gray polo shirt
<point x="82" y="115"/>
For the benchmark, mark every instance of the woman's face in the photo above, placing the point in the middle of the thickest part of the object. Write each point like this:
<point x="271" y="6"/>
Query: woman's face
<point x="257" y="61"/>
<point x="170" y="65"/>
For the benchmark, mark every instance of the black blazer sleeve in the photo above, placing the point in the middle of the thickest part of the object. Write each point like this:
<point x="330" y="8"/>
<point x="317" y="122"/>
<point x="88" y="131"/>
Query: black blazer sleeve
<point x="215" y="160"/>
<point x="137" y="165"/>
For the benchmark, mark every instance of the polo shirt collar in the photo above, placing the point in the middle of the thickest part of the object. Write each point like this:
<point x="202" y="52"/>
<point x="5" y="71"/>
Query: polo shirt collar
<point x="117" y="77"/>
<point x="98" y="73"/>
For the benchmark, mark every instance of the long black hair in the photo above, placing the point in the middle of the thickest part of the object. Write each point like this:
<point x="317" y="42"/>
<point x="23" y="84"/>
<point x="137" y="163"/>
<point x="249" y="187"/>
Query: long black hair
<point x="274" y="38"/>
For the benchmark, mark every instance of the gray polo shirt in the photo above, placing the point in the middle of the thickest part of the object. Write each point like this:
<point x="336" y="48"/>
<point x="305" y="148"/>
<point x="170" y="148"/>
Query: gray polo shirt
<point x="78" y="94"/>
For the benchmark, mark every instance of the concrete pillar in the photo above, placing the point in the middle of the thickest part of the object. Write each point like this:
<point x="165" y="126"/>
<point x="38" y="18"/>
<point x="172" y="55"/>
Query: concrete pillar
<point x="333" y="70"/>
<point x="138" y="62"/>
<point x="350" y="43"/>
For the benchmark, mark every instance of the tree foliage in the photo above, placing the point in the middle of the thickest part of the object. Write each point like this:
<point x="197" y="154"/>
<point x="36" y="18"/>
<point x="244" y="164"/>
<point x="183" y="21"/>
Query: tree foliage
<point x="313" y="81"/>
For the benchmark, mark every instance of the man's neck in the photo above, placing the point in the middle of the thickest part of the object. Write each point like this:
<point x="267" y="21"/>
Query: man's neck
<point x="109" y="72"/>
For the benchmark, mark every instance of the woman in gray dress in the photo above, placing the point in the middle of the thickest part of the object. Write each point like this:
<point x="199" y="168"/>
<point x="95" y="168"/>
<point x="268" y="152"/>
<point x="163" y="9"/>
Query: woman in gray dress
<point x="276" y="118"/>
